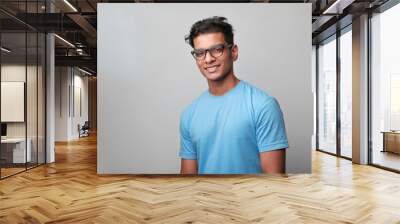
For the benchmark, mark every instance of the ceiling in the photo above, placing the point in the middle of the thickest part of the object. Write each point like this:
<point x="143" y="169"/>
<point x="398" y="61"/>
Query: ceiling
<point x="76" y="22"/>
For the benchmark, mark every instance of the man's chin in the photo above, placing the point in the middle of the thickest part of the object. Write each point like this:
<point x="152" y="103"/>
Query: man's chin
<point x="214" y="77"/>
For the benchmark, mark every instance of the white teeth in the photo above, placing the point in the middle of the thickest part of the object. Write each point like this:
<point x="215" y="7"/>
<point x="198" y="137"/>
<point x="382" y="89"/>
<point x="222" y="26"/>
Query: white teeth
<point x="212" y="68"/>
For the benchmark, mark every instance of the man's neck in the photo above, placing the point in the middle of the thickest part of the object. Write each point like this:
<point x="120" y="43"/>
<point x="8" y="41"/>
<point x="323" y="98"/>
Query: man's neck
<point x="219" y="88"/>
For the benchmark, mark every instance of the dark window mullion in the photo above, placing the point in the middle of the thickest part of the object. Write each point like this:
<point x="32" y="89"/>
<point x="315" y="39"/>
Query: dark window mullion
<point x="45" y="91"/>
<point x="317" y="96"/>
<point x="338" y="91"/>
<point x="0" y="95"/>
<point x="369" y="90"/>
<point x="26" y="86"/>
<point x="37" y="90"/>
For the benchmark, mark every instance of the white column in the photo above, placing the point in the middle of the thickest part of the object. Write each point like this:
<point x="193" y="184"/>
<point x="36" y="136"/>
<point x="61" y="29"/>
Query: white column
<point x="50" y="92"/>
<point x="50" y="100"/>
<point x="360" y="90"/>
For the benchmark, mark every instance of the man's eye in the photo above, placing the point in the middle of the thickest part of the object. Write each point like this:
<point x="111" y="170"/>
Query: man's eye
<point x="199" y="53"/>
<point x="218" y="49"/>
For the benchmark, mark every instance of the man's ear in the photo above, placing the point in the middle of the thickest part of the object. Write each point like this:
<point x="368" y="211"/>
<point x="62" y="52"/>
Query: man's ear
<point x="235" y="52"/>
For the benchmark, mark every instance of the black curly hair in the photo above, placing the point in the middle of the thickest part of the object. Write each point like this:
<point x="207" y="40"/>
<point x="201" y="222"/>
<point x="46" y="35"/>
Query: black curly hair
<point x="215" y="24"/>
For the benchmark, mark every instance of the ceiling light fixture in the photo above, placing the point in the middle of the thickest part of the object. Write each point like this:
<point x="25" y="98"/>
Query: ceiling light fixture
<point x="337" y="7"/>
<point x="5" y="49"/>
<point x="70" y="5"/>
<point x="64" y="40"/>
<point x="84" y="71"/>
<point x="79" y="51"/>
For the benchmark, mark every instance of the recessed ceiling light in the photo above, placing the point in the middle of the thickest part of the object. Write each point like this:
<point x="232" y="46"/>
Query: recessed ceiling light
<point x="64" y="40"/>
<point x="70" y="5"/>
<point x="337" y="7"/>
<point x="84" y="71"/>
<point x="5" y="50"/>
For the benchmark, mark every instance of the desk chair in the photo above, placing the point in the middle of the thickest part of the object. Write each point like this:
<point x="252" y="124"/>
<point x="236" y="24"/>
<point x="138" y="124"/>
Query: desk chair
<point x="84" y="130"/>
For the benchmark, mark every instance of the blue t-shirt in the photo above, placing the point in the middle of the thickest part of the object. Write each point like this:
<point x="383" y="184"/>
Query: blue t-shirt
<point x="226" y="134"/>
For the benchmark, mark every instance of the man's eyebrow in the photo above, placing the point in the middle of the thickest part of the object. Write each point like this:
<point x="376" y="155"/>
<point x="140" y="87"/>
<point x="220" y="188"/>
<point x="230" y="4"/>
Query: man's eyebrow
<point x="202" y="49"/>
<point x="199" y="49"/>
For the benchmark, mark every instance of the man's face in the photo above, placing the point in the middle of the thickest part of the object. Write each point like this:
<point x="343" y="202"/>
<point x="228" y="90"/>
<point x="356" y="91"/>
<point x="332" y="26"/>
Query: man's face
<point x="215" y="68"/>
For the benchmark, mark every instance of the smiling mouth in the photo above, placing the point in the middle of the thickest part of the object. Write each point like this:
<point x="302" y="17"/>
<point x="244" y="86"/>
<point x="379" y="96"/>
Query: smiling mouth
<point x="212" y="68"/>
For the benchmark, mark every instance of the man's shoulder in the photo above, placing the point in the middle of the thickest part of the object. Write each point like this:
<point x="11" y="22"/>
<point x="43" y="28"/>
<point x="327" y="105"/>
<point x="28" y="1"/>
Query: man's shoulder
<point x="258" y="96"/>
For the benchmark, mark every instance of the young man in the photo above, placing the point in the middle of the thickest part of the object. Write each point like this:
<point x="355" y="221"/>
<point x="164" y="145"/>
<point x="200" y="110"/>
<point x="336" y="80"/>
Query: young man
<point x="234" y="127"/>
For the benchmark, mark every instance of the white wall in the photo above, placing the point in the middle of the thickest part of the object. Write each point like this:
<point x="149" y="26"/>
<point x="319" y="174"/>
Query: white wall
<point x="68" y="81"/>
<point x="79" y="117"/>
<point x="62" y="80"/>
<point x="146" y="77"/>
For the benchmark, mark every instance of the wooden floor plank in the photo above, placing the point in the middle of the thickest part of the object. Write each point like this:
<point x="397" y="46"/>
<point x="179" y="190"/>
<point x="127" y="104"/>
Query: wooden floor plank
<point x="70" y="191"/>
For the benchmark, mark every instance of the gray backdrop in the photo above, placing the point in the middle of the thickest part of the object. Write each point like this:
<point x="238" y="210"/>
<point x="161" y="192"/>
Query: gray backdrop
<point x="146" y="77"/>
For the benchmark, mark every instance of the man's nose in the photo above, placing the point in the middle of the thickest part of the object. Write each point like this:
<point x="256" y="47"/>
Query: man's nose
<point x="209" y="58"/>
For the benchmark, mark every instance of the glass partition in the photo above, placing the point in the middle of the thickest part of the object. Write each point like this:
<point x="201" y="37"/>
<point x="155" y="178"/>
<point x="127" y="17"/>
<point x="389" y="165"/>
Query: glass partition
<point x="13" y="109"/>
<point x="22" y="100"/>
<point x="32" y="95"/>
<point x="327" y="96"/>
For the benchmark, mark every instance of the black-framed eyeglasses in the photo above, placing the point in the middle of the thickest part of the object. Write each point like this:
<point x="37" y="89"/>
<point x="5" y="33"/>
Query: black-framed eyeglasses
<point x="215" y="51"/>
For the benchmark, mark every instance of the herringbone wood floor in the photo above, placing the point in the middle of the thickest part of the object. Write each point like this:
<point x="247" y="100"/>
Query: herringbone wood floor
<point x="70" y="191"/>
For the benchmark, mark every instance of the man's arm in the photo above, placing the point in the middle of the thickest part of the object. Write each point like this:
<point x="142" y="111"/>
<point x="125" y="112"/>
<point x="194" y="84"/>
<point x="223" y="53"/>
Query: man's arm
<point x="188" y="166"/>
<point x="273" y="161"/>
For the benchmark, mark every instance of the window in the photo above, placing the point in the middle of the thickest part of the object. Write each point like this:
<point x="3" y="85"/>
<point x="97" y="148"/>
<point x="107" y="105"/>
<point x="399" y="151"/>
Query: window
<point x="327" y="96"/>
<point x="346" y="93"/>
<point x="385" y="88"/>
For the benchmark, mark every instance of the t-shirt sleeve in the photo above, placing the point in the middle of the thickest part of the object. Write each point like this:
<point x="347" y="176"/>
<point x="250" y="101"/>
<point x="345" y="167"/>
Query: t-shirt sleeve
<point x="270" y="127"/>
<point x="187" y="151"/>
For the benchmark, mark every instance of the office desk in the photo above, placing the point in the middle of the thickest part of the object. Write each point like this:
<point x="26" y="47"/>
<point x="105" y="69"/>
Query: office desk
<point x="391" y="141"/>
<point x="13" y="150"/>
